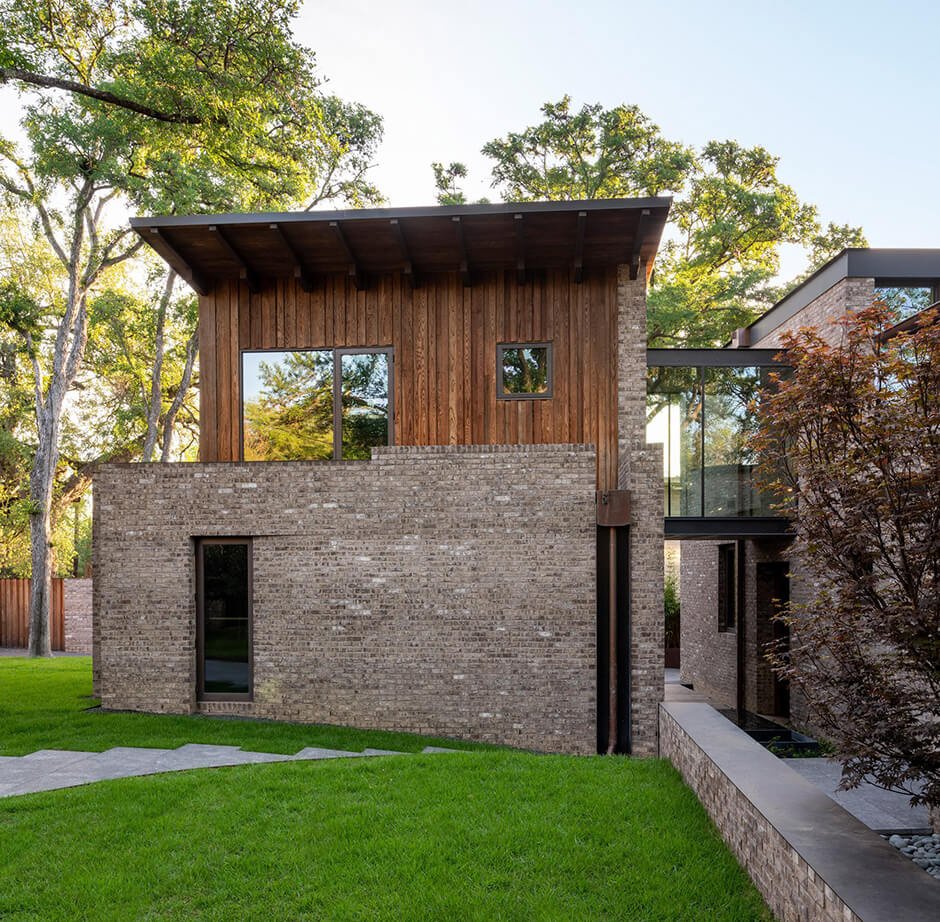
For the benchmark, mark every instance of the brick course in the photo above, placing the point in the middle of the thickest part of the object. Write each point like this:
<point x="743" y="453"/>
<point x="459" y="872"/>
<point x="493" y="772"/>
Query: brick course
<point x="445" y="590"/>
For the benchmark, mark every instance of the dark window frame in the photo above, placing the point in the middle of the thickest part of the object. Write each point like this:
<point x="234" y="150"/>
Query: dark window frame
<point x="201" y="693"/>
<point x="549" y="370"/>
<point x="338" y="352"/>
<point x="727" y="587"/>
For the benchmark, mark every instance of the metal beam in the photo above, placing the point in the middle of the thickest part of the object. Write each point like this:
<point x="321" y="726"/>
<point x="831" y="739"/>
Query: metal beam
<point x="731" y="527"/>
<point x="638" y="244"/>
<point x="520" y="250"/>
<point x="245" y="271"/>
<point x="714" y="358"/>
<point x="190" y="276"/>
<point x="579" y="248"/>
<point x="355" y="273"/>
<point x="301" y="273"/>
<point x="407" y="268"/>
<point x="462" y="248"/>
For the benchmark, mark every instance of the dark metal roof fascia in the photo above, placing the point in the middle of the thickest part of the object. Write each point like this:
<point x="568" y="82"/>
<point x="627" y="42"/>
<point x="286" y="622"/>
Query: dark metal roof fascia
<point x="365" y="214"/>
<point x="887" y="266"/>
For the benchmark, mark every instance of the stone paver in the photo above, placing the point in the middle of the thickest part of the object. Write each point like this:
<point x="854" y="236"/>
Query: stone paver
<point x="883" y="811"/>
<point x="50" y="769"/>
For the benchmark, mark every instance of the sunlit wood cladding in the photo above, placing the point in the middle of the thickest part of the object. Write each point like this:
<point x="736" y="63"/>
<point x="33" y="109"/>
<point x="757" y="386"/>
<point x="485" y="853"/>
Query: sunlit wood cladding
<point x="445" y="336"/>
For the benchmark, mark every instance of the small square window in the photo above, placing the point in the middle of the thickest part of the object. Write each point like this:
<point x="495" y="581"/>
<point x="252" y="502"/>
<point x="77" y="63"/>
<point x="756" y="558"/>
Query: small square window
<point x="524" y="370"/>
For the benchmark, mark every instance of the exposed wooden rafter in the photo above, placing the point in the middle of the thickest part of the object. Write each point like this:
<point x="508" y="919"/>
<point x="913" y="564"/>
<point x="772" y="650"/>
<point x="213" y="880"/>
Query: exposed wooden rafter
<point x="164" y="246"/>
<point x="462" y="249"/>
<point x="301" y="272"/>
<point x="520" y="250"/>
<point x="407" y="268"/>
<point x="355" y="273"/>
<point x="579" y="247"/>
<point x="642" y="221"/>
<point x="245" y="271"/>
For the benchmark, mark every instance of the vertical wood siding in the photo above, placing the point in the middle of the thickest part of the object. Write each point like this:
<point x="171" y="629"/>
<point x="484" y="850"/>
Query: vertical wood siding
<point x="445" y="336"/>
<point x="14" y="613"/>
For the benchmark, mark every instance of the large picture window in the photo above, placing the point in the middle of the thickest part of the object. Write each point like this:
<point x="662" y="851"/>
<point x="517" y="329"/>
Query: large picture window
<point x="316" y="405"/>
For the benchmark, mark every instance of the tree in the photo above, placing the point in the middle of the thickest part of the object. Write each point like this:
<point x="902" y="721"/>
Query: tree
<point x="446" y="182"/>
<point x="714" y="271"/>
<point x="717" y="266"/>
<point x="592" y="153"/>
<point x="853" y="435"/>
<point x="156" y="105"/>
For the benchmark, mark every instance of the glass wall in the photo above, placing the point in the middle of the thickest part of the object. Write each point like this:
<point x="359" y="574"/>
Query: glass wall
<point x="905" y="300"/>
<point x="704" y="416"/>
<point x="315" y="405"/>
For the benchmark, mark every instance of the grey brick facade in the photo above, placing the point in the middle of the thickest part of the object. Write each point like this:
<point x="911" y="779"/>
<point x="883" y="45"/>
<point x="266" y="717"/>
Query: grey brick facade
<point x="444" y="590"/>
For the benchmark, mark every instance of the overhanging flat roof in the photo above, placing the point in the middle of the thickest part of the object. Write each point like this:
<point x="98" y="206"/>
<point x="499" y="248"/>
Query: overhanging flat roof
<point x="464" y="238"/>
<point x="885" y="266"/>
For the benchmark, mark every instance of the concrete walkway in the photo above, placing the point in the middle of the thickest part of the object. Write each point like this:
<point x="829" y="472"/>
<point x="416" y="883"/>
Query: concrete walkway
<point x="49" y="769"/>
<point x="883" y="811"/>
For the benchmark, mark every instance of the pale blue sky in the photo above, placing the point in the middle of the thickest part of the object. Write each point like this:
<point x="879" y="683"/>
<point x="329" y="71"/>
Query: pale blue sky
<point x="844" y="93"/>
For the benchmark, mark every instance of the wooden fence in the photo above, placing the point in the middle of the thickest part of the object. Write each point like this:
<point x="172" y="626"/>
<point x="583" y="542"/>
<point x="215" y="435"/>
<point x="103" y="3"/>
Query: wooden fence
<point x="14" y="613"/>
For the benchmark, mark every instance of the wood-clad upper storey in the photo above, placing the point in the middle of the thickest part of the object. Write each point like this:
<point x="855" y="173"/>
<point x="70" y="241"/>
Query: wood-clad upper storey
<point x="443" y="287"/>
<point x="444" y="335"/>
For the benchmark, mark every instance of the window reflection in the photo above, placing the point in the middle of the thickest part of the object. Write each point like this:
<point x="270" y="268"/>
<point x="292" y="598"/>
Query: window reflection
<point x="291" y="404"/>
<point x="288" y="405"/>
<point x="365" y="403"/>
<point x="905" y="300"/>
<point x="704" y="418"/>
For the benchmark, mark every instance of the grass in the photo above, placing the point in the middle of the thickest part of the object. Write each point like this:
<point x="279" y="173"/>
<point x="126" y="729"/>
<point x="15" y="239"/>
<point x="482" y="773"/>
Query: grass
<point x="494" y="834"/>
<point x="47" y="704"/>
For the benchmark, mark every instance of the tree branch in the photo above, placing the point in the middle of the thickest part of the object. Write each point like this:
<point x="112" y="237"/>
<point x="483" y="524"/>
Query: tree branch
<point x="72" y="86"/>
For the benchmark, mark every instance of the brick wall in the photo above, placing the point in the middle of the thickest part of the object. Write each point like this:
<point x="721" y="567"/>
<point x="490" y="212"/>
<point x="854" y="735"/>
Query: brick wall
<point x="847" y="294"/>
<point x="78" y="608"/>
<point x="791" y="888"/>
<point x="810" y="859"/>
<point x="443" y="590"/>
<point x="640" y="472"/>
<point x="709" y="656"/>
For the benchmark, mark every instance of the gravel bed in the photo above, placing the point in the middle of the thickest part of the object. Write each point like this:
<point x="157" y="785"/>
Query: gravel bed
<point x="924" y="851"/>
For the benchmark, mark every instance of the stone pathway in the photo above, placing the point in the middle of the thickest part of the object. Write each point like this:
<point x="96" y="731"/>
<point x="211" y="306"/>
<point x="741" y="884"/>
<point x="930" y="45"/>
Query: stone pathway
<point x="49" y="769"/>
<point x="883" y="811"/>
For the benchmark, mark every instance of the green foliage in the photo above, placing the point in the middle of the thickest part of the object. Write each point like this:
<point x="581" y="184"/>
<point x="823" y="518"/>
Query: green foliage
<point x="208" y="104"/>
<point x="721" y="252"/>
<point x="446" y="179"/>
<point x="671" y="609"/>
<point x="592" y="153"/>
<point x="120" y="359"/>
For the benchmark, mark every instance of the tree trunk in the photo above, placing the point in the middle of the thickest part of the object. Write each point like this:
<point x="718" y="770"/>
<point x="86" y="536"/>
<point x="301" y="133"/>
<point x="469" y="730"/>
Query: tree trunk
<point x="40" y="528"/>
<point x="156" y="382"/>
<point x="40" y="638"/>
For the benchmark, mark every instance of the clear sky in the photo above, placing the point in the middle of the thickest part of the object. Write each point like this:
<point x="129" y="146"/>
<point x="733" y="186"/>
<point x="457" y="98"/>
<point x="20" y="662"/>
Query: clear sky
<point x="846" y="94"/>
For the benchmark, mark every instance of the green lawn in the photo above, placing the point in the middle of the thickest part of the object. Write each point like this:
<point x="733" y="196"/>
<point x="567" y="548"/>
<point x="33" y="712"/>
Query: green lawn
<point x="493" y="834"/>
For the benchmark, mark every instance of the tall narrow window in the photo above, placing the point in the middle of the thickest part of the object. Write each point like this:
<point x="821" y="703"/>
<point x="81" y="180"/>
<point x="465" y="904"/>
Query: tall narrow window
<point x="524" y="370"/>
<point x="315" y="405"/>
<point x="727" y="586"/>
<point x="364" y="407"/>
<point x="223" y="603"/>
